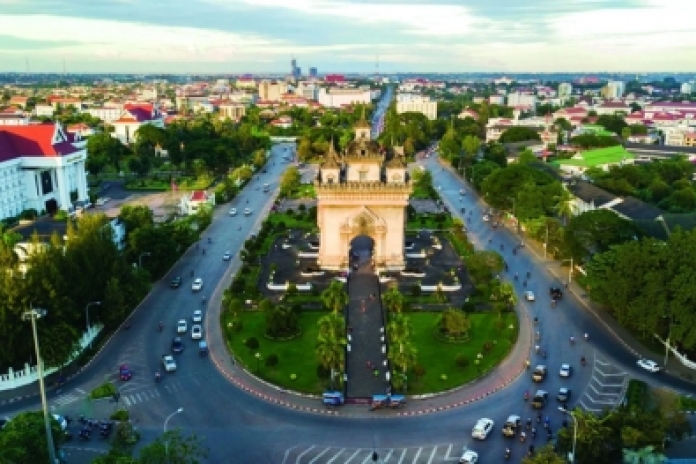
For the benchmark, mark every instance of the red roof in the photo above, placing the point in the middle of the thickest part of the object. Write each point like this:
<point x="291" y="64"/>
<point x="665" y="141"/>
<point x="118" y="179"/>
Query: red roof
<point x="32" y="140"/>
<point x="199" y="195"/>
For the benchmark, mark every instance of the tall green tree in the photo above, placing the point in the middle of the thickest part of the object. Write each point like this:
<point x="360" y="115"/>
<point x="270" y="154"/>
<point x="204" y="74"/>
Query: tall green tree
<point x="394" y="300"/>
<point x="23" y="439"/>
<point x="335" y="297"/>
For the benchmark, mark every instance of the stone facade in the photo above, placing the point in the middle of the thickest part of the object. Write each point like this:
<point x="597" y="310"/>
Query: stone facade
<point x="362" y="193"/>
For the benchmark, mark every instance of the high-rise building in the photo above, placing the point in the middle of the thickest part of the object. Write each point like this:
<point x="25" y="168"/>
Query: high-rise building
<point x="565" y="90"/>
<point x="298" y="73"/>
<point x="615" y="89"/>
<point x="293" y="67"/>
<point x="686" y="88"/>
<point x="312" y="72"/>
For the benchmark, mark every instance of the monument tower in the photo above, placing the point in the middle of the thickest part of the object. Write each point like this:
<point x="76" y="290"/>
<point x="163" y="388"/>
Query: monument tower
<point x="362" y="191"/>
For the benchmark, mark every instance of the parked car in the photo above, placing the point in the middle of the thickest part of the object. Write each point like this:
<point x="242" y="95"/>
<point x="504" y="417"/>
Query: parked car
<point x="482" y="428"/>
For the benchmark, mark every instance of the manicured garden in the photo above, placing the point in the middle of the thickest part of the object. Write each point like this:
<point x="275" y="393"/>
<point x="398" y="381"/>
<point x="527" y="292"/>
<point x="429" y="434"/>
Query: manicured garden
<point x="182" y="183"/>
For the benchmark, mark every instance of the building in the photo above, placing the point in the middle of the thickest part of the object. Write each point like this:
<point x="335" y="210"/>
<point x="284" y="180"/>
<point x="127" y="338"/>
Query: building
<point x="43" y="111"/>
<point x="519" y="99"/>
<point x="12" y="119"/>
<point x="41" y="169"/>
<point x="272" y="91"/>
<point x="233" y="111"/>
<point x="336" y="98"/>
<point x="338" y="79"/>
<point x="108" y="114"/>
<point x="132" y="118"/>
<point x="245" y="82"/>
<point x="362" y="193"/>
<point x="615" y="89"/>
<point x="19" y="100"/>
<point x="308" y="90"/>
<point x="192" y="202"/>
<point x="313" y="72"/>
<point x="410" y="103"/>
<point x="686" y="88"/>
<point x="565" y="90"/>
<point x="612" y="107"/>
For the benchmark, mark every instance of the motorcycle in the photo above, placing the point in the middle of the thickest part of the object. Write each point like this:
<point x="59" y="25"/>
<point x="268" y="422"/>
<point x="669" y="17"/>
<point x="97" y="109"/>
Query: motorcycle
<point x="507" y="453"/>
<point x="161" y="326"/>
<point x="158" y="377"/>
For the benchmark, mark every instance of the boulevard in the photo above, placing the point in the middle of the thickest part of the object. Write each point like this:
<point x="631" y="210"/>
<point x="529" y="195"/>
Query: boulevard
<point x="239" y="427"/>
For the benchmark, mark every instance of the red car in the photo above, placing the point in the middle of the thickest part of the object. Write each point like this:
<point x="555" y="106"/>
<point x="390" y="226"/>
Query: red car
<point x="124" y="373"/>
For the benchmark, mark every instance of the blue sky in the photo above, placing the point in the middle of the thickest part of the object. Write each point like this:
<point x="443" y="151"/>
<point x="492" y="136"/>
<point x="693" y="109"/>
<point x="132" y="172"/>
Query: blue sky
<point x="235" y="36"/>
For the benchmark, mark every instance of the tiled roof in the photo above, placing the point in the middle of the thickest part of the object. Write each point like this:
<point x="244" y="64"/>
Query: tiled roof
<point x="634" y="208"/>
<point x="199" y="195"/>
<point x="31" y="140"/>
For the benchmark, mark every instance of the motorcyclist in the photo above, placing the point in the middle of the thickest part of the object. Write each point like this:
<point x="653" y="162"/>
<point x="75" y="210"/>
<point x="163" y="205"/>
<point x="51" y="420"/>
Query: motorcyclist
<point x="572" y="340"/>
<point x="526" y="395"/>
<point x="203" y="299"/>
<point x="587" y="337"/>
<point x="161" y="326"/>
<point x="157" y="376"/>
<point x="582" y="360"/>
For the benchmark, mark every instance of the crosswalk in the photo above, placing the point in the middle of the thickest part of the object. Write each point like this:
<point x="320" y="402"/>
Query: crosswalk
<point x="130" y="394"/>
<point x="606" y="387"/>
<point x="316" y="454"/>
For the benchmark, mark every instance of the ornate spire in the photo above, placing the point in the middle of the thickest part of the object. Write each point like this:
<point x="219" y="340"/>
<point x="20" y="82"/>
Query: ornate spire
<point x="363" y="121"/>
<point x="331" y="160"/>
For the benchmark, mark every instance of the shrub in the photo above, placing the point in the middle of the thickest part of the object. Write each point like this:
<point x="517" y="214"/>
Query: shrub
<point x="312" y="213"/>
<point x="469" y="307"/>
<point x="61" y="215"/>
<point x="280" y="226"/>
<point x="461" y="361"/>
<point x="290" y="212"/>
<point x="272" y="360"/>
<point x="29" y="214"/>
<point x="301" y="208"/>
<point x="418" y="370"/>
<point x="487" y="347"/>
<point x="120" y="415"/>
<point x="105" y="390"/>
<point x="252" y="343"/>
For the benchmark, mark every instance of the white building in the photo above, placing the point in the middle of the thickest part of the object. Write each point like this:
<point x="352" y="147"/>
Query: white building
<point x="233" y="111"/>
<point x="41" y="169"/>
<point x="192" y="202"/>
<point x="13" y="119"/>
<point x="246" y="83"/>
<point x="686" y="88"/>
<point x="615" y="89"/>
<point x="45" y="111"/>
<point x="108" y="114"/>
<point x="308" y="90"/>
<point x="132" y="117"/>
<point x="336" y="98"/>
<point x="565" y="90"/>
<point x="407" y="102"/>
<point x="521" y="99"/>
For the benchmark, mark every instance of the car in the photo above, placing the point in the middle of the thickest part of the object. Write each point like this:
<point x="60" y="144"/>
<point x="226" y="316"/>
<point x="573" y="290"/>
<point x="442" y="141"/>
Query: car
<point x="175" y="283"/>
<point x="177" y="345"/>
<point x="197" y="284"/>
<point x="181" y="326"/>
<point x="168" y="363"/>
<point x="529" y="295"/>
<point x="512" y="424"/>
<point x="565" y="371"/>
<point x="462" y="192"/>
<point x="197" y="316"/>
<point x="648" y="365"/>
<point x="196" y="332"/>
<point x="482" y="428"/>
<point x="124" y="373"/>
<point x="233" y="212"/>
<point x="468" y="457"/>
<point x="227" y="256"/>
<point x="62" y="421"/>
<point x="247" y="212"/>
<point x="563" y="395"/>
<point x="486" y="218"/>
<point x="540" y="398"/>
<point x="556" y="293"/>
<point x="539" y="373"/>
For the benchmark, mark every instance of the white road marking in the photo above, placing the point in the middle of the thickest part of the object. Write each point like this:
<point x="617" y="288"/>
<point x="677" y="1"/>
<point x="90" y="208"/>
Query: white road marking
<point x="418" y="454"/>
<point x="403" y="454"/>
<point x="297" y="461"/>
<point x="432" y="455"/>
<point x="336" y="457"/>
<point x="354" y="454"/>
<point x="319" y="455"/>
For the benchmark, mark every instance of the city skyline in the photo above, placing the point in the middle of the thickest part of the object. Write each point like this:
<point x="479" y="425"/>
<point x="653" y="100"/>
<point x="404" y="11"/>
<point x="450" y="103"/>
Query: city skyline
<point x="261" y="36"/>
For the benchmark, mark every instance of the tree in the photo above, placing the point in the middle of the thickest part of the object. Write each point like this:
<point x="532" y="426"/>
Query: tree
<point x="394" y="300"/>
<point x="290" y="180"/>
<point x="136" y="216"/>
<point x="564" y="205"/>
<point x="335" y="297"/>
<point x="281" y="321"/>
<point x="597" y="231"/>
<point x="23" y="439"/>
<point x="544" y="455"/>
<point x="304" y="149"/>
<point x="625" y="134"/>
<point x="471" y="145"/>
<point x="526" y="156"/>
<point x="518" y="134"/>
<point x="331" y="344"/>
<point x="170" y="447"/>
<point x="454" y="322"/>
<point x="103" y="146"/>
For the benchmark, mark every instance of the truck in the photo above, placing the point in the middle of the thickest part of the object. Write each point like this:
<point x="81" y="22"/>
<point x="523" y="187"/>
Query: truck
<point x="540" y="398"/>
<point x="539" y="373"/>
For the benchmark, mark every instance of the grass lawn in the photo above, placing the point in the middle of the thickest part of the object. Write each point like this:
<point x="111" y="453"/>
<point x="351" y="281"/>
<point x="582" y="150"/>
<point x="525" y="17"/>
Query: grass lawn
<point x="295" y="356"/>
<point x="304" y="191"/>
<point x="294" y="221"/>
<point x="438" y="357"/>
<point x="420" y="193"/>
<point x="428" y="223"/>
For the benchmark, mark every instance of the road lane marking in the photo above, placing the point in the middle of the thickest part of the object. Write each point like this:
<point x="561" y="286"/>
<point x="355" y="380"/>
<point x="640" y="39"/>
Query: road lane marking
<point x="403" y="455"/>
<point x="336" y="457"/>
<point x="319" y="455"/>
<point x="287" y="453"/>
<point x="354" y="454"/>
<point x="418" y="454"/>
<point x="297" y="461"/>
<point x="432" y="455"/>
<point x="386" y="458"/>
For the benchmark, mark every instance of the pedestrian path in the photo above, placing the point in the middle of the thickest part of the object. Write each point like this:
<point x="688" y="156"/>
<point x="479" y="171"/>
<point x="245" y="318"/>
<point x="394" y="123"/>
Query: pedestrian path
<point x="317" y="454"/>
<point x="366" y="361"/>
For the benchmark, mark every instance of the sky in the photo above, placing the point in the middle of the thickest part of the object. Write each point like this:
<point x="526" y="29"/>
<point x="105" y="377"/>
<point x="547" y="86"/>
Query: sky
<point x="261" y="36"/>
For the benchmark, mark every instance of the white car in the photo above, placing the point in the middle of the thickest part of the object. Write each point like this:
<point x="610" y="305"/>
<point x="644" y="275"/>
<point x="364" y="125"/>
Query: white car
<point x="197" y="316"/>
<point x="462" y="192"/>
<point x="648" y="365"/>
<point x="482" y="428"/>
<point x="565" y="370"/>
<point x="486" y="218"/>
<point x="233" y="212"/>
<point x="181" y="326"/>
<point x="247" y="212"/>
<point x="529" y="295"/>
<point x="469" y="457"/>
<point x="227" y="256"/>
<point x="169" y="363"/>
<point x="197" y="285"/>
<point x="196" y="332"/>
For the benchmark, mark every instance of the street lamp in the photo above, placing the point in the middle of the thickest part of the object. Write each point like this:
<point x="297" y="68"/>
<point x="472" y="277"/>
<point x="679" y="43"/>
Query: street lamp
<point x="575" y="430"/>
<point x="258" y="360"/>
<point x="93" y="303"/>
<point x="164" y="429"/>
<point x="570" y="271"/>
<point x="140" y="258"/>
<point x="33" y="314"/>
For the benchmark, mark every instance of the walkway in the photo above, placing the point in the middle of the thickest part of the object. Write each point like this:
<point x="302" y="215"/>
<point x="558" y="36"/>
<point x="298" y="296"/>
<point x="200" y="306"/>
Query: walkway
<point x="365" y="362"/>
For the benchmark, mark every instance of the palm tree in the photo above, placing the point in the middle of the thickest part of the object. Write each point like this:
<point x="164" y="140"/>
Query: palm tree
<point x="403" y="356"/>
<point x="335" y="297"/>
<point x="332" y="323"/>
<point x="564" y="205"/>
<point x="394" y="300"/>
<point x="330" y="352"/>
<point x="399" y="329"/>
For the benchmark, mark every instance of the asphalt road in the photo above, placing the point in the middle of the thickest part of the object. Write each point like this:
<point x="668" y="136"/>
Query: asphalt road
<point x="243" y="429"/>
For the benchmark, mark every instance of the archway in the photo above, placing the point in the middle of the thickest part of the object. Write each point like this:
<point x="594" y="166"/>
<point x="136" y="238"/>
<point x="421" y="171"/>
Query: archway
<point x="51" y="206"/>
<point x="361" y="252"/>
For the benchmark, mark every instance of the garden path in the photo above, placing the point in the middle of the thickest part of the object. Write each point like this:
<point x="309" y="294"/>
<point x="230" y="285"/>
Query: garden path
<point x="365" y="321"/>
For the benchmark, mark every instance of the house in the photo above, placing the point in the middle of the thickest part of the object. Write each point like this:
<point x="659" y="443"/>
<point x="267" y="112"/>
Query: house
<point x="468" y="113"/>
<point x="601" y="158"/>
<point x="133" y="116"/>
<point x="11" y="119"/>
<point x="45" y="111"/>
<point x="83" y="129"/>
<point x="19" y="100"/>
<point x="41" y="168"/>
<point x="60" y="102"/>
<point x="192" y="202"/>
<point x="569" y="114"/>
<point x="284" y="122"/>
<point x="634" y="209"/>
<point x="588" y="197"/>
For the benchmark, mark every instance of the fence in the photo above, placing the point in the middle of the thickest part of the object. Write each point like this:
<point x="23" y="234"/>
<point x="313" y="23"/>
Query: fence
<point x="30" y="374"/>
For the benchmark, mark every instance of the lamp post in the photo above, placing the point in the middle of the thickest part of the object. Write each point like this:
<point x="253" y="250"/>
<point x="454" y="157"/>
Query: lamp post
<point x="33" y="314"/>
<point x="258" y="361"/>
<point x="93" y="303"/>
<point x="164" y="429"/>
<point x="575" y="430"/>
<point x="570" y="271"/>
<point x="669" y="335"/>
<point x="140" y="258"/>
